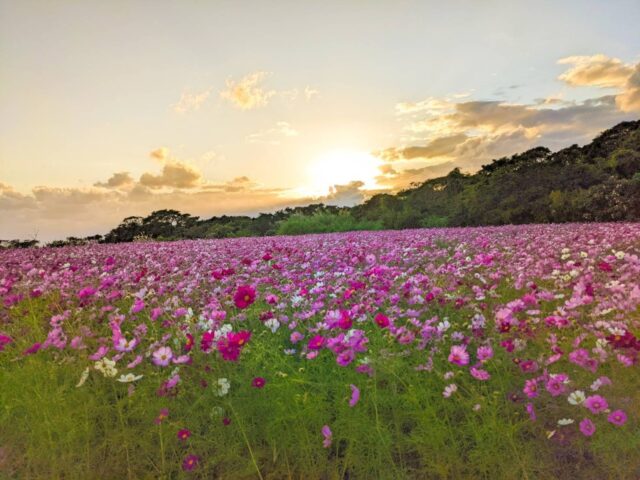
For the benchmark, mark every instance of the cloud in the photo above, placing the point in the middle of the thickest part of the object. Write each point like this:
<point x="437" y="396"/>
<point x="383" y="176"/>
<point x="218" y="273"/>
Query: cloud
<point x="53" y="213"/>
<point x="310" y="93"/>
<point x="596" y="71"/>
<point x="273" y="135"/>
<point x="629" y="100"/>
<point x="455" y="131"/>
<point x="117" y="180"/>
<point x="247" y="93"/>
<point x="161" y="154"/>
<point x="430" y="104"/>
<point x="606" y="72"/>
<point x="438" y="147"/>
<point x="190" y="102"/>
<point x="174" y="174"/>
<point x="344" y="195"/>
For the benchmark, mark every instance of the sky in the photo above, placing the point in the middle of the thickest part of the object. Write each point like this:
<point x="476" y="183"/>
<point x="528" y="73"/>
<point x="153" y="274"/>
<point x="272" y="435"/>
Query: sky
<point x="112" y="109"/>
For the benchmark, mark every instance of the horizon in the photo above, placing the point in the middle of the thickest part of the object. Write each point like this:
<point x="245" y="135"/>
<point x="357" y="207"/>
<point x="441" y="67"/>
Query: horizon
<point x="237" y="110"/>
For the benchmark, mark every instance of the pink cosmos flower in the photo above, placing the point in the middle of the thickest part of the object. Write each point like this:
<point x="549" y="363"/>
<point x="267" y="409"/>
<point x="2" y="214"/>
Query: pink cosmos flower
<point x="555" y="386"/>
<point x="345" y="358"/>
<point x="184" y="434"/>
<point x="458" y="355"/>
<point x="101" y="352"/>
<point x="138" y="305"/>
<point x="164" y="414"/>
<point x="162" y="356"/>
<point x="328" y="436"/>
<point x="617" y="417"/>
<point x="258" y="382"/>
<point x="296" y="337"/>
<point x="245" y="295"/>
<point x="449" y="390"/>
<point x="596" y="403"/>
<point x="479" y="374"/>
<point x="484" y="353"/>
<point x="355" y="395"/>
<point x="587" y="427"/>
<point x="531" y="388"/>
<point x="531" y="411"/>
<point x="135" y="362"/>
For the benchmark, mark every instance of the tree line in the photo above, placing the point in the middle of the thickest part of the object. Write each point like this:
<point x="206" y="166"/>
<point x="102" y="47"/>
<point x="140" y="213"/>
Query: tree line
<point x="594" y="183"/>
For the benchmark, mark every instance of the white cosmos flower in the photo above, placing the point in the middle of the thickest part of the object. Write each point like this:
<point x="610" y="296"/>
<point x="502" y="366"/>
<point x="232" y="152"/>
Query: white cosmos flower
<point x="576" y="398"/>
<point x="272" y="324"/>
<point x="129" y="377"/>
<point x="443" y="326"/>
<point x="565" y="421"/>
<point x="223" y="387"/>
<point x="83" y="377"/>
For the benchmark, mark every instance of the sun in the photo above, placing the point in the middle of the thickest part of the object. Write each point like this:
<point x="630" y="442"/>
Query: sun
<point x="339" y="167"/>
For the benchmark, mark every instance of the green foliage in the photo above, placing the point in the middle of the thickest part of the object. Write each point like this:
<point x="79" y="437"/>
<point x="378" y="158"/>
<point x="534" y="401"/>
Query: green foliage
<point x="323" y="223"/>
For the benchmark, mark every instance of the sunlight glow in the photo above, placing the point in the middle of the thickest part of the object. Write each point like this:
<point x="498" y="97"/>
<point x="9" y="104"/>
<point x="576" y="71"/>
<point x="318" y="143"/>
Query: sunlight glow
<point x="339" y="167"/>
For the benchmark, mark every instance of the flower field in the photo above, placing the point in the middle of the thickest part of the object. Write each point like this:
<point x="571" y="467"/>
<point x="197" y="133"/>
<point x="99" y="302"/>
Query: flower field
<point x="500" y="352"/>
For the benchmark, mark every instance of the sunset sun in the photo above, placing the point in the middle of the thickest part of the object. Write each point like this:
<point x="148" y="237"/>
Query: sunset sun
<point x="341" y="166"/>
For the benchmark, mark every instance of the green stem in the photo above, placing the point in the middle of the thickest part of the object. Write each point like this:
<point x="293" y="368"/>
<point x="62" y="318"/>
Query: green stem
<point x="246" y="441"/>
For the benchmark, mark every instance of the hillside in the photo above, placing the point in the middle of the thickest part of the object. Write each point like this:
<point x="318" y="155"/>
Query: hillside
<point x="597" y="182"/>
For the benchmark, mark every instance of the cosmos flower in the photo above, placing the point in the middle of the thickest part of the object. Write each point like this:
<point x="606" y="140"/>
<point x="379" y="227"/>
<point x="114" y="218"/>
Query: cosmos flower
<point x="316" y="342"/>
<point x="258" y="382"/>
<point x="163" y="415"/>
<point x="162" y="356"/>
<point x="184" y="434"/>
<point x="458" y="355"/>
<point x="4" y="340"/>
<point x="355" y="395"/>
<point x="587" y="427"/>
<point x="190" y="462"/>
<point x="129" y="377"/>
<point x="449" y="390"/>
<point x="617" y="417"/>
<point x="596" y="403"/>
<point x="245" y="295"/>
<point x="382" y="320"/>
<point x="328" y="436"/>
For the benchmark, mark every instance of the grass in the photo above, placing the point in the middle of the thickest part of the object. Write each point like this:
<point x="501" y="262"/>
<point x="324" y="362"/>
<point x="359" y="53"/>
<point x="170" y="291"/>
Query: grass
<point x="401" y="428"/>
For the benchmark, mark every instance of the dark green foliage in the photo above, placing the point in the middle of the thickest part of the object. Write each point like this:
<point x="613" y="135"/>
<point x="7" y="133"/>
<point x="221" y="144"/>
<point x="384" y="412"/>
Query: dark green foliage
<point x="597" y="182"/>
<point x="324" y="223"/>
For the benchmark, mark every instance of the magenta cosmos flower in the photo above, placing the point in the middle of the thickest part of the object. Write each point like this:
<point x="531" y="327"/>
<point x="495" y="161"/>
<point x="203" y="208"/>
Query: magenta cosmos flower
<point x="245" y="295"/>
<point x="162" y="356"/>
<point x="190" y="462"/>
<point x="617" y="417"/>
<point x="316" y="343"/>
<point x="184" y="434"/>
<point x="596" y="403"/>
<point x="4" y="340"/>
<point x="258" y="382"/>
<point x="459" y="355"/>
<point x="382" y="320"/>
